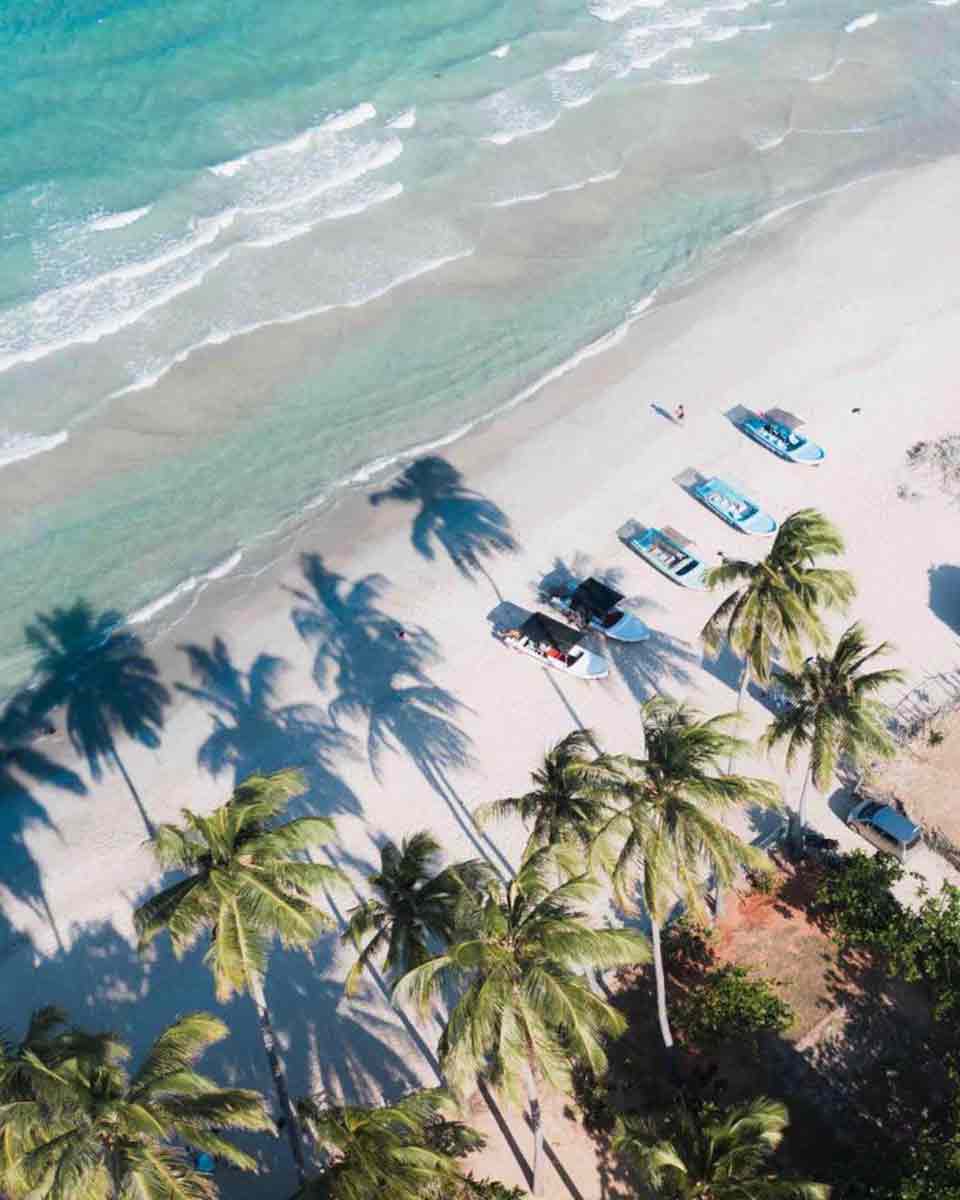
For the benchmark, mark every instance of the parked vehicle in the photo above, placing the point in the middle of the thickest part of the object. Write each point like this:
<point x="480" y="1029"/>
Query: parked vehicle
<point x="667" y="550"/>
<point x="776" y="429"/>
<point x="556" y="646"/>
<point x="732" y="506"/>
<point x="589" y="603"/>
<point x="884" y="827"/>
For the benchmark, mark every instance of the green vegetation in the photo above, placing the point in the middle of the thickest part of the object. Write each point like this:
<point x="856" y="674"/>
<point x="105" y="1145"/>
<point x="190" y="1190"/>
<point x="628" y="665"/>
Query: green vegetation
<point x="526" y="1013"/>
<point x="730" y="1002"/>
<point x="709" y="1152"/>
<point x="776" y="603"/>
<point x="832" y="712"/>
<point x="78" y="1126"/>
<point x="246" y="884"/>
<point x="413" y="904"/>
<point x="669" y="832"/>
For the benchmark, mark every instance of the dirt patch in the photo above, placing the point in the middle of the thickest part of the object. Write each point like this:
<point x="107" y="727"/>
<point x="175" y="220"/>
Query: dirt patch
<point x="923" y="776"/>
<point x="775" y="935"/>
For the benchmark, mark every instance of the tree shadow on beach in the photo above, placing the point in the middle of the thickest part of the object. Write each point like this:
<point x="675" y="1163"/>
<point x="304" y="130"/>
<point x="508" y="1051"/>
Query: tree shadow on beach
<point x="252" y="733"/>
<point x="22" y="761"/>
<point x="381" y="680"/>
<point x="655" y="666"/>
<point x="945" y="594"/>
<point x="97" y="670"/>
<point x="468" y="527"/>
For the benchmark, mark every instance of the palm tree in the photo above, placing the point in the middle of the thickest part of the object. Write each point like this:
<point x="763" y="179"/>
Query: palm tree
<point x="526" y="1011"/>
<point x="386" y="1151"/>
<point x="91" y="1131"/>
<point x="247" y="883"/>
<point x="715" y="1153"/>
<point x="832" y="710"/>
<point x="413" y="903"/>
<point x="669" y="834"/>
<point x="569" y="799"/>
<point x="776" y="602"/>
<point x="100" y="673"/>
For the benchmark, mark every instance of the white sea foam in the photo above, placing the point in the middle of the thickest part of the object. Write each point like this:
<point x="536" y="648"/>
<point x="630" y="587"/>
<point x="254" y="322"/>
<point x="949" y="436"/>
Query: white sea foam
<point x="764" y="140"/>
<point x="405" y="120"/>
<point x="14" y="447"/>
<point x="99" y="325"/>
<point x="532" y="197"/>
<point x="579" y="62"/>
<point x="760" y="27"/>
<point x="686" y="78"/>
<point x="616" y="10"/>
<point x="231" y="167"/>
<point x="350" y="118"/>
<point x="501" y="51"/>
<point x="726" y="34"/>
<point x="834" y="66"/>
<point x="504" y="137"/>
<point x="118" y="220"/>
<point x="861" y="22"/>
<point x="193" y="583"/>
<point x="944" y="3"/>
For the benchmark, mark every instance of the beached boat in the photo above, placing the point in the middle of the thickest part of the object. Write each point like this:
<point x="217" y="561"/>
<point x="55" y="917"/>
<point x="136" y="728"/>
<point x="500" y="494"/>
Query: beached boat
<point x="732" y="506"/>
<point x="667" y="550"/>
<point x="557" y="646"/>
<point x="591" y="604"/>
<point x="777" y="430"/>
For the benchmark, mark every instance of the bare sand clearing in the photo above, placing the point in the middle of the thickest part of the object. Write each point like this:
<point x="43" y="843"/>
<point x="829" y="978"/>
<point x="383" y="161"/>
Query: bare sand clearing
<point x="846" y="311"/>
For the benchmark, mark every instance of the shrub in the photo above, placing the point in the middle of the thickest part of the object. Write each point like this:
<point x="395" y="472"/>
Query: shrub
<point x="856" y="903"/>
<point x="930" y="951"/>
<point x="730" y="1003"/>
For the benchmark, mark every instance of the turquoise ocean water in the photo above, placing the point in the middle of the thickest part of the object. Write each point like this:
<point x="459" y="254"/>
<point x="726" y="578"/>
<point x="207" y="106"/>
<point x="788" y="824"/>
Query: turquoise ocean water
<point x="248" y="250"/>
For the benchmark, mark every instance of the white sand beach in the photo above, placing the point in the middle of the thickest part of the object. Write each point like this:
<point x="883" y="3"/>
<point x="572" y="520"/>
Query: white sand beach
<point x="845" y="310"/>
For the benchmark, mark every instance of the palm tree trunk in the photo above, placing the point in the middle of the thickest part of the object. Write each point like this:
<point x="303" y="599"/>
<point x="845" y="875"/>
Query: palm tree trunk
<point x="536" y="1123"/>
<point x="800" y="826"/>
<point x="148" y="824"/>
<point x="661" y="985"/>
<point x="287" y="1112"/>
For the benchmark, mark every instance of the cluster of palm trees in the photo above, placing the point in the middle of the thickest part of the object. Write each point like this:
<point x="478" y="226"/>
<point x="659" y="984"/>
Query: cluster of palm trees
<point x="514" y="962"/>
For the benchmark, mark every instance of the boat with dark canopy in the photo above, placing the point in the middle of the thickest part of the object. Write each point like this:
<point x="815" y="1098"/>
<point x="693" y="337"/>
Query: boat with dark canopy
<point x="592" y="604"/>
<point x="777" y="430"/>
<point x="557" y="646"/>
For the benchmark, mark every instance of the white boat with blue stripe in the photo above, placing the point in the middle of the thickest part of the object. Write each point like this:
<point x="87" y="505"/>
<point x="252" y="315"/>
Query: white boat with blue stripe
<point x="777" y="430"/>
<point x="732" y="506"/>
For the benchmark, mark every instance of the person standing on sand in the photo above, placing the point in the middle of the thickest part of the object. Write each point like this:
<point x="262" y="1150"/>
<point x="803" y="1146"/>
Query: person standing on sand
<point x="679" y="414"/>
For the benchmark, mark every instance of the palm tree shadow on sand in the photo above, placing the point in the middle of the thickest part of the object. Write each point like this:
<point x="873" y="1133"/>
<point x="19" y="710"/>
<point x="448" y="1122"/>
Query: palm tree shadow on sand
<point x="96" y="668"/>
<point x="23" y="762"/>
<point x="468" y="527"/>
<point x="253" y="734"/>
<point x="381" y="681"/>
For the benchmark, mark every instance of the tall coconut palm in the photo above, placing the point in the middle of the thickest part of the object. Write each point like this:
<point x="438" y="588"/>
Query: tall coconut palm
<point x="92" y="1131"/>
<point x="526" y="1011"/>
<point x="569" y="799"/>
<point x="414" y="903"/>
<point x="669" y="834"/>
<point x="385" y="1151"/>
<point x="721" y="1154"/>
<point x="247" y="883"/>
<point x="776" y="603"/>
<point x="833" y="711"/>
<point x="98" y="670"/>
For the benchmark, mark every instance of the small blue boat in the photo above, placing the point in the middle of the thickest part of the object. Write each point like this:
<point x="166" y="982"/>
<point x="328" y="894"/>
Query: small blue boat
<point x="732" y="506"/>
<point x="666" y="550"/>
<point x="777" y="430"/>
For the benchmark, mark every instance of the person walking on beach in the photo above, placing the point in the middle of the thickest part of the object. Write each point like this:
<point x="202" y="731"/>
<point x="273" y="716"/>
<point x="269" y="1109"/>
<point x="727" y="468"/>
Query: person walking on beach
<point x="679" y="414"/>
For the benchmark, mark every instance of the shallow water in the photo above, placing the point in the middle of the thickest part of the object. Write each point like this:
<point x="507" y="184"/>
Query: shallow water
<point x="247" y="251"/>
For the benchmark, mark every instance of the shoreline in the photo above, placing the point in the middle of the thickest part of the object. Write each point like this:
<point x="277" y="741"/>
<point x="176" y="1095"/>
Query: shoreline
<point x="837" y="308"/>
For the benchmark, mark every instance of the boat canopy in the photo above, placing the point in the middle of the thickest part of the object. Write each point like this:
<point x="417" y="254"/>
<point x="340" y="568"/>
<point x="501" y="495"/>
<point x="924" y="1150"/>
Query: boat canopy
<point x="780" y="416"/>
<point x="594" y="598"/>
<point x="545" y="631"/>
<point x="675" y="536"/>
